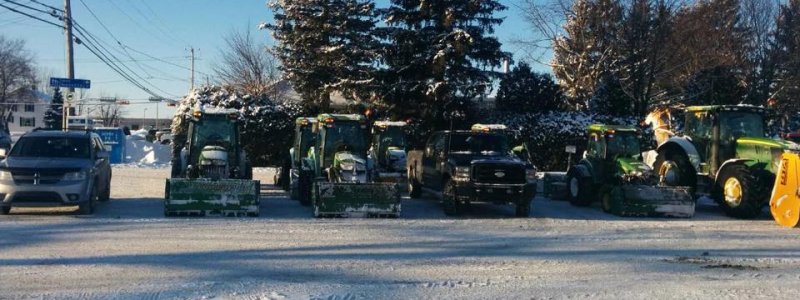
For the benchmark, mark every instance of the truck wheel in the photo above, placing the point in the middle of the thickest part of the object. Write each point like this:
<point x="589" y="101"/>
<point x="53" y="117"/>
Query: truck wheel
<point x="580" y="190"/>
<point x="450" y="203"/>
<point x="304" y="189"/>
<point x="674" y="169"/>
<point x="414" y="189"/>
<point x="5" y="210"/>
<point x="523" y="210"/>
<point x="738" y="194"/>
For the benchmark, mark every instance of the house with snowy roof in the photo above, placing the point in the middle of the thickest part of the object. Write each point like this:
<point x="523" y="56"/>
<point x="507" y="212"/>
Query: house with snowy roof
<point x="27" y="115"/>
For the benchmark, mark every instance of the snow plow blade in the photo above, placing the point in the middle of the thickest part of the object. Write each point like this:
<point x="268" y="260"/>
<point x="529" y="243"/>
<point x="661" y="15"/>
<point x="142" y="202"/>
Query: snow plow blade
<point x="650" y="201"/>
<point x="207" y="197"/>
<point x="784" y="203"/>
<point x="356" y="199"/>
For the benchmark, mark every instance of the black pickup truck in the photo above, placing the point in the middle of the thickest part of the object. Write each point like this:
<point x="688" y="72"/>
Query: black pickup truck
<point x="471" y="166"/>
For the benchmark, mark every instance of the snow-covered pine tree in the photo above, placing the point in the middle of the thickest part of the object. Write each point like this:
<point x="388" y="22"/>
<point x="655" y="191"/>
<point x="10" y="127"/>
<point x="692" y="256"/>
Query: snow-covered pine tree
<point x="326" y="46"/>
<point x="525" y="91"/>
<point x="53" y="117"/>
<point x="588" y="48"/>
<point x="786" y="91"/>
<point x="441" y="56"/>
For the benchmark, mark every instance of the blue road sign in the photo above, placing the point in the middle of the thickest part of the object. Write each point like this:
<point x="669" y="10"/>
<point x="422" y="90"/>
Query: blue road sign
<point x="70" y="83"/>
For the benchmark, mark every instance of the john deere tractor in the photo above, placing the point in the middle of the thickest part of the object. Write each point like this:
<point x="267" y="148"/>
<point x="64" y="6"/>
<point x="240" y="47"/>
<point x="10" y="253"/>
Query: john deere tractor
<point x="288" y="175"/>
<point x="388" y="150"/>
<point x="211" y="175"/>
<point x="337" y="176"/>
<point x="725" y="153"/>
<point x="612" y="171"/>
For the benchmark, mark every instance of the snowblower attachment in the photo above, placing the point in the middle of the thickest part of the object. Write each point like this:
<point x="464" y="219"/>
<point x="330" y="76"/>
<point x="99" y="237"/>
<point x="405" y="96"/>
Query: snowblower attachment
<point x="785" y="201"/>
<point x="347" y="199"/>
<point x="208" y="197"/>
<point x="638" y="200"/>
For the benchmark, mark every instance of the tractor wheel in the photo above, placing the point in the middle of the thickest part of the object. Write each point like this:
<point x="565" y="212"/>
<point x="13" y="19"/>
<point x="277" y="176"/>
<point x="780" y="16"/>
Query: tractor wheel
<point x="580" y="189"/>
<point x="605" y="200"/>
<point x="674" y="169"/>
<point x="414" y="188"/>
<point x="450" y="203"/>
<point x="738" y="193"/>
<point x="523" y="209"/>
<point x="5" y="210"/>
<point x="304" y="189"/>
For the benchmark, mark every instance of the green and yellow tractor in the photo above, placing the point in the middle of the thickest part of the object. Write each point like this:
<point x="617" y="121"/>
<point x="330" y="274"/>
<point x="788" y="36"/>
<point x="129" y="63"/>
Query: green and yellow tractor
<point x="336" y="175"/>
<point x="724" y="152"/>
<point x="211" y="175"/>
<point x="388" y="151"/>
<point x="613" y="172"/>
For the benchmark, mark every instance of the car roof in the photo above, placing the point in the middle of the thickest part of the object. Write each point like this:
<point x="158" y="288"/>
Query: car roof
<point x="57" y="133"/>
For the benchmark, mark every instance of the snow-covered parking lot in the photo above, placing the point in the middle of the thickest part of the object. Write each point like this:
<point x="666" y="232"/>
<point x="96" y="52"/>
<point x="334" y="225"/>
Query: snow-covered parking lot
<point x="128" y="250"/>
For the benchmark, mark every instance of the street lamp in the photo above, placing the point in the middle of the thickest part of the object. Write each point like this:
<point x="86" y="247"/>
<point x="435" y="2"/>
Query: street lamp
<point x="157" y="101"/>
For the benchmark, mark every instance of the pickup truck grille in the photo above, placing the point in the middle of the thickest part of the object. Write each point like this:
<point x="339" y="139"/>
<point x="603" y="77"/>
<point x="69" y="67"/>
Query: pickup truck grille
<point x="44" y="176"/>
<point x="498" y="174"/>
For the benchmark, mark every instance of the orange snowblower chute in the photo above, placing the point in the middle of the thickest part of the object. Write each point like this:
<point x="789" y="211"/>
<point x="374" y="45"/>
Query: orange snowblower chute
<point x="785" y="201"/>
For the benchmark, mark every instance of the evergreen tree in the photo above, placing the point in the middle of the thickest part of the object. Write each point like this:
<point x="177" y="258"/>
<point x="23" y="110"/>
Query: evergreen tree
<point x="609" y="98"/>
<point x="441" y="56"/>
<point x="715" y="86"/>
<point x="326" y="46"/>
<point x="523" y="90"/>
<point x="53" y="117"/>
<point x="588" y="48"/>
<point x="786" y="91"/>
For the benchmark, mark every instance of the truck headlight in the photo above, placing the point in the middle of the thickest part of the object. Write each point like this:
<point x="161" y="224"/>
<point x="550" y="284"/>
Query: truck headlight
<point x="75" y="176"/>
<point x="461" y="174"/>
<point x="5" y="176"/>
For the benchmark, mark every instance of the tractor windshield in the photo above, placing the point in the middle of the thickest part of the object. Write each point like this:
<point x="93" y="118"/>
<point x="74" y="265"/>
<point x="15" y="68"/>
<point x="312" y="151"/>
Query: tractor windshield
<point x="345" y="136"/>
<point x="625" y="144"/>
<point x="479" y="143"/>
<point x="214" y="132"/>
<point x="393" y="136"/>
<point x="736" y="124"/>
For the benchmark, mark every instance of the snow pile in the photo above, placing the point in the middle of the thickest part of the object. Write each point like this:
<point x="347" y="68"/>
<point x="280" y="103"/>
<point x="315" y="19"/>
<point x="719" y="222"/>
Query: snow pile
<point x="141" y="153"/>
<point x="140" y="134"/>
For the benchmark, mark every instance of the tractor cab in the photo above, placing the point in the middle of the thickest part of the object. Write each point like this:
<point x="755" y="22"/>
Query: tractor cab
<point x="304" y="139"/>
<point x="342" y="147"/>
<point x="213" y="144"/>
<point x="612" y="146"/>
<point x="718" y="132"/>
<point x="389" y="145"/>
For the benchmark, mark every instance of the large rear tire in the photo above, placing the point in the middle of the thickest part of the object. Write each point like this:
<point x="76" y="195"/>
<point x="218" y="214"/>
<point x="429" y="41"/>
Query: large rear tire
<point x="674" y="169"/>
<point x="738" y="193"/>
<point x="304" y="186"/>
<point x="581" y="191"/>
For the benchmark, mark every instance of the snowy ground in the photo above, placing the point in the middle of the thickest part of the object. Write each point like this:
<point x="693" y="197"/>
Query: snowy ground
<point x="128" y="250"/>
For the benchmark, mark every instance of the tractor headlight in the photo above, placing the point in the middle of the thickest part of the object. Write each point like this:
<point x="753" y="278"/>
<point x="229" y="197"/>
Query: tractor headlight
<point x="75" y="176"/>
<point x="461" y="174"/>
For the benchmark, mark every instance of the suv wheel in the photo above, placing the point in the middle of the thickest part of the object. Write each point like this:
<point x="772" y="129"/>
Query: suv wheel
<point x="5" y="210"/>
<point x="106" y="194"/>
<point x="87" y="207"/>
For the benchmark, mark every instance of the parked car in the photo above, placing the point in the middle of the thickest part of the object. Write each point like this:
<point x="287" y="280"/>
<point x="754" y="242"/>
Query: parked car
<point x="55" y="168"/>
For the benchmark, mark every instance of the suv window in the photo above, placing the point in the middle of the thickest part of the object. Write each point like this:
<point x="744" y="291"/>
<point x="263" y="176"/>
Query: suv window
<point x="59" y="147"/>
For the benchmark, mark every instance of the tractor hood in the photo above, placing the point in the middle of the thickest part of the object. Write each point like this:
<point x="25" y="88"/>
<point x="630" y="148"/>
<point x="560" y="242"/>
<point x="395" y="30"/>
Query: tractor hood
<point x="347" y="161"/>
<point x="631" y="166"/>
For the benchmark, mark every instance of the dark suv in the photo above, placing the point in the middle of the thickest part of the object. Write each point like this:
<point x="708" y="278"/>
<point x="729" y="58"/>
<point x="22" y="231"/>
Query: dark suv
<point x="55" y="168"/>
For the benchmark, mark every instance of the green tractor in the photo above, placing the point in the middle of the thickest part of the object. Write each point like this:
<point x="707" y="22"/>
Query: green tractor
<point x="211" y="175"/>
<point x="612" y="170"/>
<point x="724" y="153"/>
<point x="336" y="176"/>
<point x="388" y="150"/>
<point x="304" y="136"/>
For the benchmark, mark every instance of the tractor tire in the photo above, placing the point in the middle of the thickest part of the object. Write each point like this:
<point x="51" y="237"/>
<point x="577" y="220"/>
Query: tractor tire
<point x="5" y="210"/>
<point x="683" y="174"/>
<point x="523" y="209"/>
<point x="450" y="203"/>
<point x="581" y="191"/>
<point x="304" y="187"/>
<point x="414" y="188"/>
<point x="738" y="193"/>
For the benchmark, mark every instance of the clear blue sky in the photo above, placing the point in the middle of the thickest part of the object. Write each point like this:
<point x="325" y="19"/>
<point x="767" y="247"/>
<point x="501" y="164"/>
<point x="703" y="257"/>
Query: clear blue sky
<point x="164" y="30"/>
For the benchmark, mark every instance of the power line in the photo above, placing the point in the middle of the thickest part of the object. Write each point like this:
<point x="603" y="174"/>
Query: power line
<point x="32" y="16"/>
<point x="166" y="62"/>
<point x="52" y="13"/>
<point x="48" y="6"/>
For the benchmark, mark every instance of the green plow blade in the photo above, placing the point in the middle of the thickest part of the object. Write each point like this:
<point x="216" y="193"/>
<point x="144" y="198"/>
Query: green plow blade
<point x="650" y="201"/>
<point x="206" y="197"/>
<point x="356" y="199"/>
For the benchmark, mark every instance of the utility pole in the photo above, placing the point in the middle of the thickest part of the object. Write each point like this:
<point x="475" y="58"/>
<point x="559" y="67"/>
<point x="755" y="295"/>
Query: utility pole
<point x="70" y="63"/>
<point x="191" y="57"/>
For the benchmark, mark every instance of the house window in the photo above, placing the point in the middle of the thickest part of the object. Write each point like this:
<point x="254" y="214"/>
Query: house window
<point x="14" y="108"/>
<point x="30" y="108"/>
<point x="27" y="122"/>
